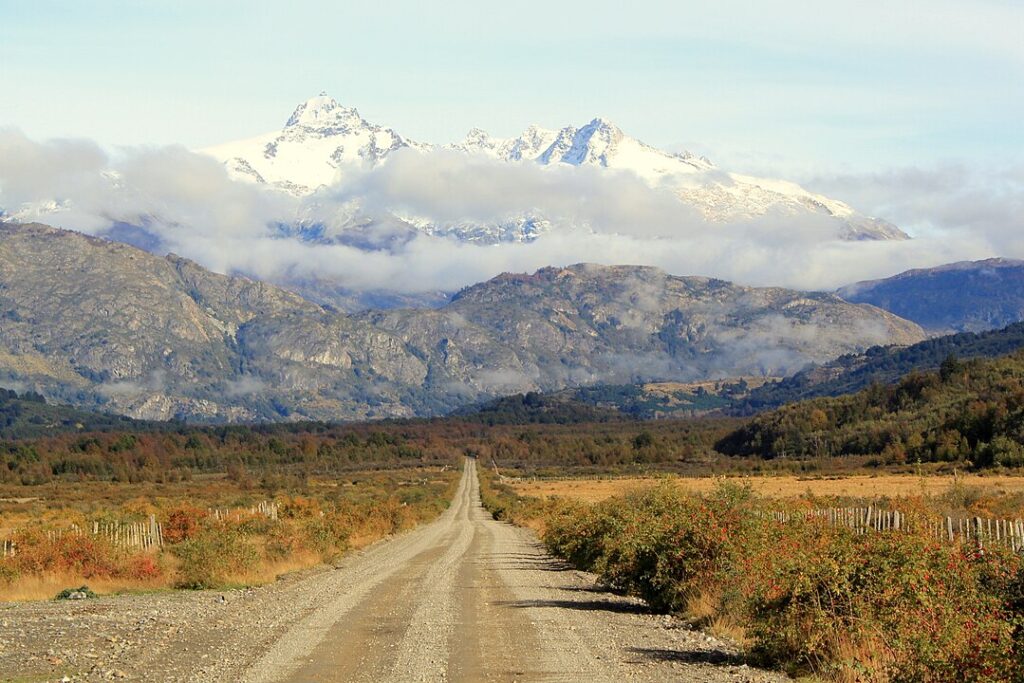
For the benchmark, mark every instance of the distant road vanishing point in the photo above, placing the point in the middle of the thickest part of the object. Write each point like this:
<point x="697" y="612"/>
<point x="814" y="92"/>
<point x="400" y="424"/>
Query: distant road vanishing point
<point x="467" y="598"/>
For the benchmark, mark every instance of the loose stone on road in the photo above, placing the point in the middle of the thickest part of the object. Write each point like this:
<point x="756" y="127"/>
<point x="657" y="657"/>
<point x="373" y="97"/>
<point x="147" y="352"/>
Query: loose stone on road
<point x="471" y="599"/>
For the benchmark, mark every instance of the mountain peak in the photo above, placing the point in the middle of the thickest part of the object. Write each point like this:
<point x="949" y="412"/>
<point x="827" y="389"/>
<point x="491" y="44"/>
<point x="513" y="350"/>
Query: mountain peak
<point x="324" y="141"/>
<point x="594" y="143"/>
<point x="477" y="136"/>
<point x="322" y="111"/>
<point x="601" y="123"/>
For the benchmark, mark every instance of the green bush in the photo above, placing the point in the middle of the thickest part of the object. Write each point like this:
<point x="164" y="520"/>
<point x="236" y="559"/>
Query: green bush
<point x="78" y="592"/>
<point x="661" y="545"/>
<point x="214" y="556"/>
<point x="8" y="573"/>
<point x="907" y="607"/>
<point x="327" y="536"/>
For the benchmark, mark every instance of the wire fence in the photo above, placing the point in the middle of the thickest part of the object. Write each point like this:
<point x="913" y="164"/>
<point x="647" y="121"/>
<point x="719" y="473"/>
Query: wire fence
<point x="144" y="535"/>
<point x="980" y="531"/>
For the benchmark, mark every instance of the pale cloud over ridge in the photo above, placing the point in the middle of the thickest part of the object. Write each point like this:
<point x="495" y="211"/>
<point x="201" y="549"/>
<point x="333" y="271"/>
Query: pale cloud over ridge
<point x="188" y="202"/>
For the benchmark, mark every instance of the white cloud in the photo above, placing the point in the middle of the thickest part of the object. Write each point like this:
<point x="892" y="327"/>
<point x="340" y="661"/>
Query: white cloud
<point x="986" y="202"/>
<point x="155" y="382"/>
<point x="189" y="203"/>
<point x="245" y="386"/>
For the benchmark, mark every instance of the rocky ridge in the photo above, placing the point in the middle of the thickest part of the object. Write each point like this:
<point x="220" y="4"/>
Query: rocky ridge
<point x="101" y="324"/>
<point x="968" y="296"/>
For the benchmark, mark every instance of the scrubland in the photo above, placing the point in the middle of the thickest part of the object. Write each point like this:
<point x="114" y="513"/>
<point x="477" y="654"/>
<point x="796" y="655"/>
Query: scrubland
<point x="686" y="528"/>
<point x="316" y="520"/>
<point x="814" y="598"/>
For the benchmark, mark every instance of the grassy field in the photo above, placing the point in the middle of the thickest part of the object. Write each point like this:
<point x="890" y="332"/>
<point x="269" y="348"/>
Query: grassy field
<point x="317" y="520"/>
<point x="857" y="486"/>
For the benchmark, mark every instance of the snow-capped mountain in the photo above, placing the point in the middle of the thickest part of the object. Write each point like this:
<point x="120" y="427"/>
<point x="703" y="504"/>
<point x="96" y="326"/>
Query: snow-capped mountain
<point x="720" y="196"/>
<point x="599" y="143"/>
<point x="323" y="140"/>
<point x="320" y="141"/>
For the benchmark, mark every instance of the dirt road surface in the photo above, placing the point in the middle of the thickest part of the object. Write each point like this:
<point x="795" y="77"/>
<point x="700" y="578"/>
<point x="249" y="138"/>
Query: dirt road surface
<point x="464" y="598"/>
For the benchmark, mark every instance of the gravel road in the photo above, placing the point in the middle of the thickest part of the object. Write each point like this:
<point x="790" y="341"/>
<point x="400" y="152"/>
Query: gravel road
<point x="464" y="598"/>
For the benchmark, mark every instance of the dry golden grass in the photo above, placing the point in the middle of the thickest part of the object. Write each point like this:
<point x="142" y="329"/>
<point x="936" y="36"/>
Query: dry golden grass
<point x="369" y="496"/>
<point x="865" y="660"/>
<point x="362" y="538"/>
<point x="268" y="572"/>
<point x="704" y="610"/>
<point x="46" y="586"/>
<point x="60" y="503"/>
<point x="730" y="630"/>
<point x="856" y="486"/>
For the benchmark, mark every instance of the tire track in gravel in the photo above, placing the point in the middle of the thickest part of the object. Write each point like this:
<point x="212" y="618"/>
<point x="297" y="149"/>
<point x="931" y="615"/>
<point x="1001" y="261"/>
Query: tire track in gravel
<point x="395" y="564"/>
<point x="480" y="600"/>
<point x="423" y="654"/>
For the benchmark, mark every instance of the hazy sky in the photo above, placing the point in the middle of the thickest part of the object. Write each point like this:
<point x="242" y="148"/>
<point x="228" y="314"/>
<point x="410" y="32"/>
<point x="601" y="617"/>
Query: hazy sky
<point x="805" y="88"/>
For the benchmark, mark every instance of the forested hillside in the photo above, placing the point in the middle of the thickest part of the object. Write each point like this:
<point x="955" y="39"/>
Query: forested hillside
<point x="28" y="416"/>
<point x="604" y="402"/>
<point x="880" y="364"/>
<point x="969" y="411"/>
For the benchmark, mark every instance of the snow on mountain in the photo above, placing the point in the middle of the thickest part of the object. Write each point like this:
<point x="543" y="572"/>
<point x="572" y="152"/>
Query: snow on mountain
<point x="323" y="140"/>
<point x="720" y="196"/>
<point x="527" y="146"/>
<point x="320" y="142"/>
<point x="522" y="228"/>
<point x="599" y="143"/>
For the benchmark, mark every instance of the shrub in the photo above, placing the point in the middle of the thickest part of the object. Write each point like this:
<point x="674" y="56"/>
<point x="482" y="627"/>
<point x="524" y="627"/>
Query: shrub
<point x="326" y="536"/>
<point x="214" y="557"/>
<point x="143" y="566"/>
<point x="283" y="540"/>
<point x="817" y="598"/>
<point x="182" y="523"/>
<point x="76" y="593"/>
<point x="913" y="609"/>
<point x="662" y="545"/>
<point x="81" y="555"/>
<point x="7" y="573"/>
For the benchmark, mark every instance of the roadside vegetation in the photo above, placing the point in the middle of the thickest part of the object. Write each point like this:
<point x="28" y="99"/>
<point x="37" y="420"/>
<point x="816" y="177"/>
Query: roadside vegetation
<point x="810" y="597"/>
<point x="212" y="535"/>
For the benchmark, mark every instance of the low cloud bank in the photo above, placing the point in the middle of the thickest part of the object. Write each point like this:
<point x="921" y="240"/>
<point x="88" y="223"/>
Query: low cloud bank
<point x="185" y="202"/>
<point x="951" y="200"/>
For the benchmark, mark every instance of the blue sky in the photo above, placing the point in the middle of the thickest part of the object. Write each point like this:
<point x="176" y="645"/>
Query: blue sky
<point x="845" y="86"/>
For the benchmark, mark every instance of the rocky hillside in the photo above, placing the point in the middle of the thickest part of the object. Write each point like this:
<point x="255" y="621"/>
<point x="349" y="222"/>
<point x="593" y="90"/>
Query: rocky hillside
<point x="970" y="296"/>
<point x="102" y="324"/>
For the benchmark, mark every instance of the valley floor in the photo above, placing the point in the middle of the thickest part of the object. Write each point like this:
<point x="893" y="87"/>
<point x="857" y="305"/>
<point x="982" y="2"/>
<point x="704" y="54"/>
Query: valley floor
<point x="464" y="598"/>
<point x="861" y="486"/>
